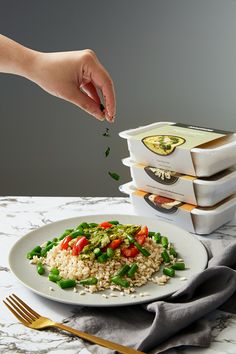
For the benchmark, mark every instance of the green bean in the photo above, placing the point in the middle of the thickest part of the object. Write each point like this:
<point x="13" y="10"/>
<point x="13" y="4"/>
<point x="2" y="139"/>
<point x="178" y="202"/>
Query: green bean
<point x="66" y="233"/>
<point x="110" y="252"/>
<point x="173" y="252"/>
<point x="123" y="270"/>
<point x="169" y="271"/>
<point x="120" y="281"/>
<point x="130" y="238"/>
<point x="164" y="241"/>
<point x="54" y="277"/>
<point x="76" y="233"/>
<point x="40" y="268"/>
<point x="141" y="249"/>
<point x="165" y="256"/>
<point x="151" y="234"/>
<point x="84" y="225"/>
<point x="102" y="258"/>
<point x="157" y="237"/>
<point x="89" y="281"/>
<point x="55" y="239"/>
<point x="36" y="251"/>
<point x="48" y="243"/>
<point x="92" y="224"/>
<point x="97" y="251"/>
<point x="114" y="222"/>
<point x="66" y="283"/>
<point x="133" y="269"/>
<point x="46" y="249"/>
<point x="54" y="271"/>
<point x="178" y="266"/>
<point x="80" y="231"/>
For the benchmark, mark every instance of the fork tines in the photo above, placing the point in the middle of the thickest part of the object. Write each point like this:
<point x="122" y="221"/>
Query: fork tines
<point x="21" y="310"/>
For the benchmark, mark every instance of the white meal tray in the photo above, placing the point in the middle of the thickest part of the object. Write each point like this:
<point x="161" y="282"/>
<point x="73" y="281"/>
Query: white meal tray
<point x="203" y="192"/>
<point x="195" y="219"/>
<point x="216" y="156"/>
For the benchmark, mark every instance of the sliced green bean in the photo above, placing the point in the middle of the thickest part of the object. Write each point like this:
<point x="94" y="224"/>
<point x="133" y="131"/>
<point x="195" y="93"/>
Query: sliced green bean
<point x="165" y="256"/>
<point x="178" y="266"/>
<point x="40" y="268"/>
<point x="114" y="222"/>
<point x="173" y="252"/>
<point x="80" y="231"/>
<point x="130" y="238"/>
<point x="120" y="281"/>
<point x="102" y="258"/>
<point x="46" y="249"/>
<point x="110" y="252"/>
<point x="89" y="281"/>
<point x="66" y="233"/>
<point x="36" y="251"/>
<point x="97" y="251"/>
<point x="151" y="233"/>
<point x="92" y="225"/>
<point x="84" y="225"/>
<point x="164" y="241"/>
<point x="141" y="249"/>
<point x="133" y="269"/>
<point x="123" y="270"/>
<point x="54" y="277"/>
<point x="169" y="271"/>
<point x="157" y="237"/>
<point x="66" y="283"/>
<point x="54" y="271"/>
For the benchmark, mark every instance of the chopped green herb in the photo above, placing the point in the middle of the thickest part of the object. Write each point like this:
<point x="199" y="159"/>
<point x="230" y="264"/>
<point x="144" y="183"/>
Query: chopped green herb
<point x="114" y="176"/>
<point x="107" y="152"/>
<point x="102" y="107"/>
<point x="106" y="132"/>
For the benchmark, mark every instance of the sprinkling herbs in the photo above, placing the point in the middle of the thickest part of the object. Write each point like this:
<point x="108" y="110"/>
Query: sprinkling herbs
<point x="107" y="152"/>
<point x="106" y="132"/>
<point x="114" y="176"/>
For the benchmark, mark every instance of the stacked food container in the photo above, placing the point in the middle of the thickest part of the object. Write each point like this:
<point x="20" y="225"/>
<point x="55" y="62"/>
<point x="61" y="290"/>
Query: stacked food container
<point x="182" y="174"/>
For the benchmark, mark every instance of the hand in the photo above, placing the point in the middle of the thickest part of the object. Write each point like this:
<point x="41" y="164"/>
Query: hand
<point x="76" y="76"/>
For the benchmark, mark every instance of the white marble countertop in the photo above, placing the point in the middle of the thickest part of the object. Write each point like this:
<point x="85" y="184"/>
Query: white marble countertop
<point x="19" y="215"/>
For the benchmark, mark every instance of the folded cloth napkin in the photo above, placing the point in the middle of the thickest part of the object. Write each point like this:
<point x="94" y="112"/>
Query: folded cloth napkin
<point x="178" y="320"/>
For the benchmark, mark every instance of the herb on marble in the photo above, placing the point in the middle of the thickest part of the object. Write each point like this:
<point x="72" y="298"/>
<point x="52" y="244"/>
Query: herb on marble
<point x="106" y="132"/>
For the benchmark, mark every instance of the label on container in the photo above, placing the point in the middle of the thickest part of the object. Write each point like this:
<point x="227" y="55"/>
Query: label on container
<point x="173" y="143"/>
<point x="164" y="182"/>
<point x="167" y="209"/>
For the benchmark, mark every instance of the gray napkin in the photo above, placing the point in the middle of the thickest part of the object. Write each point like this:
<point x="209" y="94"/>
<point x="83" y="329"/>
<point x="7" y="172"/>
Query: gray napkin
<point x="178" y="320"/>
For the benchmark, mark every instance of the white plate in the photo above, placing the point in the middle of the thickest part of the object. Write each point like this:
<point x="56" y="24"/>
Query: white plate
<point x="187" y="246"/>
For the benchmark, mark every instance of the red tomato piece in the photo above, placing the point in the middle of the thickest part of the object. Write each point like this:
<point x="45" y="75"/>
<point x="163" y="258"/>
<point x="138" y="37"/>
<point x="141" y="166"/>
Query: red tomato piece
<point x="106" y="225"/>
<point x="142" y="235"/>
<point x="65" y="242"/>
<point x="130" y="251"/>
<point x="115" y="243"/>
<point x="78" y="246"/>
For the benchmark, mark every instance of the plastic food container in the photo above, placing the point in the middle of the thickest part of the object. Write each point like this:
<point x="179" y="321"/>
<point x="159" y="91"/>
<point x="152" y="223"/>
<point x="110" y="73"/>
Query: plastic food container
<point x="191" y="218"/>
<point x="203" y="192"/>
<point x="206" y="160"/>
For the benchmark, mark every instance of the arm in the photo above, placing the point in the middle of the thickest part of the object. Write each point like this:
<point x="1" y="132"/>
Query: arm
<point x="73" y="76"/>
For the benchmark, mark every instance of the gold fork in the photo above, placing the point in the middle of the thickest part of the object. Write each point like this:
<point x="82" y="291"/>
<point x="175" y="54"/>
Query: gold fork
<point x="32" y="319"/>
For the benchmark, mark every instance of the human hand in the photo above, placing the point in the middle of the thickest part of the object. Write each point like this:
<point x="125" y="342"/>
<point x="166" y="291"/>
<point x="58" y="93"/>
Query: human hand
<point x="76" y="77"/>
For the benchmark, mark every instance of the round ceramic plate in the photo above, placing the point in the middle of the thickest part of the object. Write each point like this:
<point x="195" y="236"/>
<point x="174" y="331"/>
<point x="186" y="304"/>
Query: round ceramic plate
<point x="187" y="246"/>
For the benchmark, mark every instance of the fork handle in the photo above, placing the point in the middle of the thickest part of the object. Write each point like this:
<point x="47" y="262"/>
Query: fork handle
<point x="103" y="342"/>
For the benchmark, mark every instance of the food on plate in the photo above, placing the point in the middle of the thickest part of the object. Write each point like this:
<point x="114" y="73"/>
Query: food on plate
<point x="108" y="255"/>
<point x="162" y="144"/>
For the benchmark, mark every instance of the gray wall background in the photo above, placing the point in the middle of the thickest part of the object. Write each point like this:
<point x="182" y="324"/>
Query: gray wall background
<point x="169" y="59"/>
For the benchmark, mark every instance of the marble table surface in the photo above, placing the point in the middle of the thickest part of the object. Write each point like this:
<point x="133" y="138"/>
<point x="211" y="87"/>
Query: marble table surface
<point x="19" y="215"/>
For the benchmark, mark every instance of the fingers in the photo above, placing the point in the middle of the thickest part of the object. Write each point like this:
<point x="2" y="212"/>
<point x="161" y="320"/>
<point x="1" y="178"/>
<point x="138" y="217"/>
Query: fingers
<point x="91" y="92"/>
<point x="102" y="79"/>
<point x="85" y="102"/>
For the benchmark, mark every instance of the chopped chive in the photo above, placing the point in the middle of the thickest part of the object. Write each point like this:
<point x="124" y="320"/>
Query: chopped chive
<point x="114" y="175"/>
<point x="106" y="132"/>
<point x="107" y="152"/>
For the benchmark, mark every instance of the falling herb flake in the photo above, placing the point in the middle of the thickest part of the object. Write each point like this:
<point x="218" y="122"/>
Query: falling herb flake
<point x="114" y="176"/>
<point x="102" y="107"/>
<point x="107" y="152"/>
<point x="106" y="132"/>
